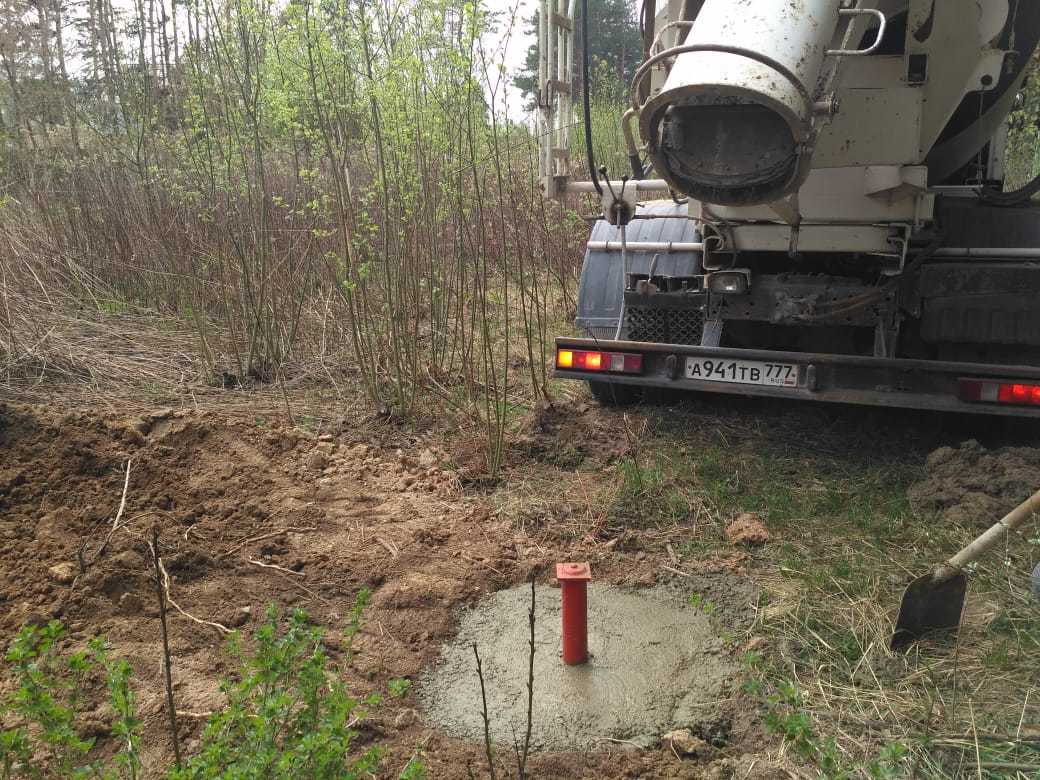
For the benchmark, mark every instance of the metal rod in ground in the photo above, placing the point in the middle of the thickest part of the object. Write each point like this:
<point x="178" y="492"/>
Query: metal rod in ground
<point x="171" y="710"/>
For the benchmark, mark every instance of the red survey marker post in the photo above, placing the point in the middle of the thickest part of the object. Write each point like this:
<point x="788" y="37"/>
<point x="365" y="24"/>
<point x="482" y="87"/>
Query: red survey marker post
<point x="574" y="579"/>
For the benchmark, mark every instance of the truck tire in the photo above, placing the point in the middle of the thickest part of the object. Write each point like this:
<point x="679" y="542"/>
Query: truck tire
<point x="610" y="394"/>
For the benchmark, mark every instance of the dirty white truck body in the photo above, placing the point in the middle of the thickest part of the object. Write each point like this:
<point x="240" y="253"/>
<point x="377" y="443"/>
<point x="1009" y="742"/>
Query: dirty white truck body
<point x="816" y="205"/>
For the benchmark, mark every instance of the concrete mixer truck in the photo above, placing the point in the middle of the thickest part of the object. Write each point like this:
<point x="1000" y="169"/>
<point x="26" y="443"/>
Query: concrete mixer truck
<point x="814" y="205"/>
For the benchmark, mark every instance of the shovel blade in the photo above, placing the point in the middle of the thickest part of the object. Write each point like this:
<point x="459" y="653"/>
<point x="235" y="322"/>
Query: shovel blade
<point x="929" y="605"/>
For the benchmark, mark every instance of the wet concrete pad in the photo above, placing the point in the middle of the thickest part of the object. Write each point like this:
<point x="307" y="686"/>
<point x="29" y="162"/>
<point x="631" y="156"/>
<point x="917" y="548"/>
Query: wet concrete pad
<point x="655" y="665"/>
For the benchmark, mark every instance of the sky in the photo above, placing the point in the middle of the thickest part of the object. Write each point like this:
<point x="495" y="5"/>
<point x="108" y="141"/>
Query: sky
<point x="511" y="42"/>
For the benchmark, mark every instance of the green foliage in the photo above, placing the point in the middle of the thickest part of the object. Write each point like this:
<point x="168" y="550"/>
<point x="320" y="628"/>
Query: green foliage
<point x="786" y="715"/>
<point x="649" y="492"/>
<point x="288" y="715"/>
<point x="701" y="604"/>
<point x="399" y="687"/>
<point x="299" y="181"/>
<point x="414" y="769"/>
<point x="127" y="725"/>
<point x="1023" y="153"/>
<point x="616" y="49"/>
<point x="48" y="701"/>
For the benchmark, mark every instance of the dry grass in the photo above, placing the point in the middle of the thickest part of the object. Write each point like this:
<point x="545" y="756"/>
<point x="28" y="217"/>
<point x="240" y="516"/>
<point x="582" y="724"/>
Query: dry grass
<point x="831" y="637"/>
<point x="130" y="359"/>
<point x="100" y="351"/>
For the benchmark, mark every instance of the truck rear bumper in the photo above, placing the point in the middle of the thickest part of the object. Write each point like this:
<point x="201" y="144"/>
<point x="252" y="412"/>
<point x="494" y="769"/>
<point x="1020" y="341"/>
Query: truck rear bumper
<point x="847" y="379"/>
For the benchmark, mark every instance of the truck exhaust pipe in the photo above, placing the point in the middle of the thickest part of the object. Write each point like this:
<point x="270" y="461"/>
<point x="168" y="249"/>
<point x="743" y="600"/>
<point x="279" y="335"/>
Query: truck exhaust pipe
<point x="733" y="124"/>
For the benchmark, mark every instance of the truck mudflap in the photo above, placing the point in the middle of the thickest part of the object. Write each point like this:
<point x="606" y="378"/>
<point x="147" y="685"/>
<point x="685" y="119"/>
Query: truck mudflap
<point x="973" y="388"/>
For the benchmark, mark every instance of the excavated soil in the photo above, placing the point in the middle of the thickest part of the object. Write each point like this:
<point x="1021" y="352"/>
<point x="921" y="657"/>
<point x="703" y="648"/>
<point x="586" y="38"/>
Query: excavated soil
<point x="971" y="485"/>
<point x="251" y="513"/>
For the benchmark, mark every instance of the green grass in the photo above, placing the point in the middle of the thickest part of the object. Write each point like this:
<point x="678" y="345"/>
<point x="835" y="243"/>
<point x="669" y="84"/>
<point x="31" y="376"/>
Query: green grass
<point x="844" y="543"/>
<point x="782" y="489"/>
<point x="670" y="483"/>
<point x="650" y="493"/>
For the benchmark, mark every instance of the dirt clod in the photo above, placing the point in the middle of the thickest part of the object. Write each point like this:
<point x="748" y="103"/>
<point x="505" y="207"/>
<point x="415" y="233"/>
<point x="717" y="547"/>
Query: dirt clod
<point x="685" y="743"/>
<point x="405" y="718"/>
<point x="238" y="617"/>
<point x="317" y="460"/>
<point x="130" y="604"/>
<point x="974" y="486"/>
<point x="747" y="529"/>
<point x="62" y="573"/>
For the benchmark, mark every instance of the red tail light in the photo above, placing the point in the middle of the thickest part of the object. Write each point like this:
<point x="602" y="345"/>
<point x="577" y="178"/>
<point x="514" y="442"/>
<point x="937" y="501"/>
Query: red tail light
<point x="588" y="360"/>
<point x="995" y="391"/>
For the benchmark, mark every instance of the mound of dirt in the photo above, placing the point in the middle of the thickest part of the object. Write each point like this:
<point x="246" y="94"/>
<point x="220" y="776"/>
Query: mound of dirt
<point x="747" y="529"/>
<point x="569" y="433"/>
<point x="250" y="513"/>
<point x="975" y="486"/>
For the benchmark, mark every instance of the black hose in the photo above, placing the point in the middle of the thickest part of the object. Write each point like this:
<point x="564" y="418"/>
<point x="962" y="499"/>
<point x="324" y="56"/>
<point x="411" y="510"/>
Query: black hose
<point x="587" y="109"/>
<point x="1024" y="194"/>
<point x="637" y="167"/>
<point x="862" y="300"/>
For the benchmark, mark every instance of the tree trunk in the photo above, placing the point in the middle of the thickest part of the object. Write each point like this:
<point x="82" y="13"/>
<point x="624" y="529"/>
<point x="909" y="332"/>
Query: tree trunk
<point x="176" y="36"/>
<point x="142" y="62"/>
<point x="151" y="36"/>
<point x="47" y="107"/>
<point x="68" y="100"/>
<point x="20" y="118"/>
<point x="93" y="47"/>
<point x="105" y="51"/>
<point x="164" y="42"/>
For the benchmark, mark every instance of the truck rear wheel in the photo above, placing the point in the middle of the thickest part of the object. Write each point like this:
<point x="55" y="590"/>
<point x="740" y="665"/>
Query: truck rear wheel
<point x="610" y="394"/>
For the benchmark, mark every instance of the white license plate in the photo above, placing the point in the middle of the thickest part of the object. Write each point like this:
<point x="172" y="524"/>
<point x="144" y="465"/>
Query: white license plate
<point x="743" y="372"/>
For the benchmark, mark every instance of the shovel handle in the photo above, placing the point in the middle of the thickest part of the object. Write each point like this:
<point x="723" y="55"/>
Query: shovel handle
<point x="989" y="539"/>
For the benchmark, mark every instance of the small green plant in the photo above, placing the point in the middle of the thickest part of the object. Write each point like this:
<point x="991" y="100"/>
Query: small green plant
<point x="414" y="769"/>
<point x="125" y="729"/>
<point x="890" y="763"/>
<point x="399" y="687"/>
<point x="787" y="716"/>
<point x="698" y="602"/>
<point x="288" y="713"/>
<point x="47" y="741"/>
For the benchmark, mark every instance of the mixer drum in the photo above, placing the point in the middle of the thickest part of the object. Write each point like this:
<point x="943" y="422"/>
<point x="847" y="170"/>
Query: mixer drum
<point x="735" y="127"/>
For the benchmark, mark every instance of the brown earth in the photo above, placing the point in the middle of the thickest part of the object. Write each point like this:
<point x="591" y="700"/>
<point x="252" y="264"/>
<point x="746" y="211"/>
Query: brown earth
<point x="251" y="512"/>
<point x="747" y="529"/>
<point x="971" y="485"/>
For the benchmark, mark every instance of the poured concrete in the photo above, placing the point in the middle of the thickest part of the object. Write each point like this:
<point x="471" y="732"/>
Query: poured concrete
<point x="655" y="665"/>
